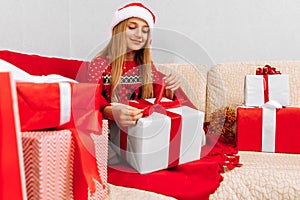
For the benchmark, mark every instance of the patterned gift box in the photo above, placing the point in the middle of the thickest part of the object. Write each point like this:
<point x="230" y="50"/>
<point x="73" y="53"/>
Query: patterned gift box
<point x="162" y="139"/>
<point x="49" y="161"/>
<point x="268" y="129"/>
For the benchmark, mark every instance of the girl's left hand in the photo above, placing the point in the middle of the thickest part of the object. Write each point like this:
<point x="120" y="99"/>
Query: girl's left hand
<point x="172" y="82"/>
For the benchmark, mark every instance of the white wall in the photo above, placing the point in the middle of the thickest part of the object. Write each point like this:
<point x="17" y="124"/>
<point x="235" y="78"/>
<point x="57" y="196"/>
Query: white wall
<point x="186" y="31"/>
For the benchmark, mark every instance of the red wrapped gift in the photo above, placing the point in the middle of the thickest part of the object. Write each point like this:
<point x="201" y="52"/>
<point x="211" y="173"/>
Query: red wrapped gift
<point x="44" y="105"/>
<point x="268" y="129"/>
<point x="50" y="105"/>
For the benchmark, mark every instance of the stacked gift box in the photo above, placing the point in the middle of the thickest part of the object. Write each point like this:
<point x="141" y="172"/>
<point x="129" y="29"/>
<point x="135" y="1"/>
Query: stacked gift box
<point x="48" y="162"/>
<point x="62" y="139"/>
<point x="266" y="122"/>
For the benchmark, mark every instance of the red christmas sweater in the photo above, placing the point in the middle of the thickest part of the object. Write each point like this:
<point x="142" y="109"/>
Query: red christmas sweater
<point x="129" y="88"/>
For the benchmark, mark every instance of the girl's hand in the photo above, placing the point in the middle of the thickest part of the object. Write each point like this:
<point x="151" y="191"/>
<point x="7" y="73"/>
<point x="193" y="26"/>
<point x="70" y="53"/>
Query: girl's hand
<point x="172" y="82"/>
<point x="126" y="115"/>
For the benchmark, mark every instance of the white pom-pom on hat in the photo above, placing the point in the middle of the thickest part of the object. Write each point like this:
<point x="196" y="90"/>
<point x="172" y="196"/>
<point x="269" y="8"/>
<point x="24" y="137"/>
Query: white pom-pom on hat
<point x="133" y="10"/>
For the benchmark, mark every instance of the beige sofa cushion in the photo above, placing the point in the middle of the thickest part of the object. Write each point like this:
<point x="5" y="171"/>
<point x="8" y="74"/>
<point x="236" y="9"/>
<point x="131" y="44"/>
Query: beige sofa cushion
<point x="193" y="81"/>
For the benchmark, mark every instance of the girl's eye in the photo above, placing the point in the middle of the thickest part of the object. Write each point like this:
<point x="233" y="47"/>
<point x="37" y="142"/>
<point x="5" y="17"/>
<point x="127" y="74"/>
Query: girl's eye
<point x="145" y="30"/>
<point x="131" y="27"/>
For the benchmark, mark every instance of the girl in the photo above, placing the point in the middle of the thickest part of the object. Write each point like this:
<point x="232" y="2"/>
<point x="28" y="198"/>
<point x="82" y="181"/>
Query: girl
<point x="124" y="67"/>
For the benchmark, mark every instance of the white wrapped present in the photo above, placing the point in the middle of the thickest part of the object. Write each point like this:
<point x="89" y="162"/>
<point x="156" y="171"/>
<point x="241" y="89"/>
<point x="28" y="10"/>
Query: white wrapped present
<point x="259" y="89"/>
<point x="161" y="140"/>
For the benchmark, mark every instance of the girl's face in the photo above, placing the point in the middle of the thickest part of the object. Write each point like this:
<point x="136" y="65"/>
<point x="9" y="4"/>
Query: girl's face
<point x="137" y="32"/>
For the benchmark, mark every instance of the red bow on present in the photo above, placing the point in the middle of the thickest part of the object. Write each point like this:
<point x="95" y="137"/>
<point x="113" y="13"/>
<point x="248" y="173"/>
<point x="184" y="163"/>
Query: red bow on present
<point x="158" y="106"/>
<point x="149" y="108"/>
<point x="267" y="69"/>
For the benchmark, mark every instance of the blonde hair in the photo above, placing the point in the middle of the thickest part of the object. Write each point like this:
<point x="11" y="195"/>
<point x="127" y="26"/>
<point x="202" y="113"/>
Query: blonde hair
<point x="116" y="51"/>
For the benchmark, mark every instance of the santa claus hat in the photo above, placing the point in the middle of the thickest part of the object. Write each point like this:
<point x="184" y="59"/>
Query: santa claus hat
<point x="133" y="10"/>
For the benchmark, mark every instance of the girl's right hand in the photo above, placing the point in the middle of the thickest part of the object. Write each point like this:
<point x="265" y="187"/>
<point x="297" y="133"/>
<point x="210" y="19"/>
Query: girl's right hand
<point x="125" y="115"/>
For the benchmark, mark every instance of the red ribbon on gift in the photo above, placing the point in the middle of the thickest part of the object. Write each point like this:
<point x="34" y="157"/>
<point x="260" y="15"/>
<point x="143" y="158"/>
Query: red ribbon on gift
<point x="265" y="71"/>
<point x="175" y="132"/>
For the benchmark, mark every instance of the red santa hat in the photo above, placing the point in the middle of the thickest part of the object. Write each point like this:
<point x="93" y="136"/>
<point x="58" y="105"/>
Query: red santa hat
<point x="133" y="10"/>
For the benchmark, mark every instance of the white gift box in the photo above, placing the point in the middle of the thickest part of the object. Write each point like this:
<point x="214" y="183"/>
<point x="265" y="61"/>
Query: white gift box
<point x="278" y="89"/>
<point x="148" y="142"/>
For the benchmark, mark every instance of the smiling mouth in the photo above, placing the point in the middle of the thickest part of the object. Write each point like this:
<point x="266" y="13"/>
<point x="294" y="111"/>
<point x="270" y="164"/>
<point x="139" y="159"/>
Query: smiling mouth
<point x="136" y="41"/>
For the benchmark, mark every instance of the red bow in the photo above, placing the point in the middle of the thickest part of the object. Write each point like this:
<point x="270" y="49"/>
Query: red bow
<point x="267" y="69"/>
<point x="158" y="106"/>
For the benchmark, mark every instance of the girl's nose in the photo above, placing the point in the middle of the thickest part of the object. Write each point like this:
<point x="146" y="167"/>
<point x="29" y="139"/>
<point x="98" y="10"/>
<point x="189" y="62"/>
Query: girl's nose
<point x="138" y="32"/>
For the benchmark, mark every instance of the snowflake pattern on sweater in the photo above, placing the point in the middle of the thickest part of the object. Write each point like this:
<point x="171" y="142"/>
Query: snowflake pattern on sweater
<point x="130" y="85"/>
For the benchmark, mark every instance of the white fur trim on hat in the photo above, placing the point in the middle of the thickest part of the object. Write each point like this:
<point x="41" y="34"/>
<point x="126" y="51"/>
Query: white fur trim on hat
<point x="133" y="10"/>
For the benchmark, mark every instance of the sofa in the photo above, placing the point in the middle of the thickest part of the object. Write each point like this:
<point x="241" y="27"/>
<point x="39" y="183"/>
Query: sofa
<point x="217" y="91"/>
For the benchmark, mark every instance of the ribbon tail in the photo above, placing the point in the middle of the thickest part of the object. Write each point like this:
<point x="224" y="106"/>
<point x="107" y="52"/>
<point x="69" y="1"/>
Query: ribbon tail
<point x="160" y="94"/>
<point x="90" y="179"/>
<point x="88" y="161"/>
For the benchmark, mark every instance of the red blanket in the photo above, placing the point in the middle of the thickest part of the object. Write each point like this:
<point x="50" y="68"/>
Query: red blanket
<point x="194" y="180"/>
